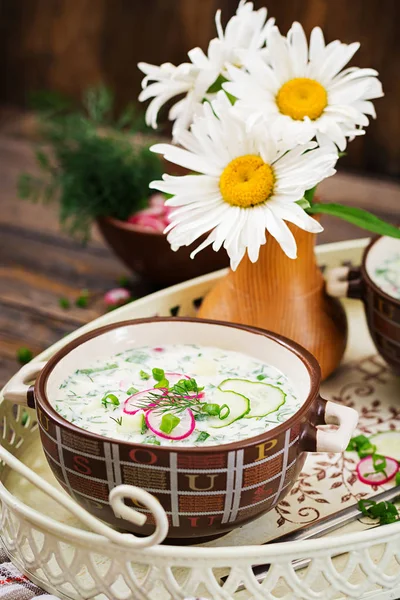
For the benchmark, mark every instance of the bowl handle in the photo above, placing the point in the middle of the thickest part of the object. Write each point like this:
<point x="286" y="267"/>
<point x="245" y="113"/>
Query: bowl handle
<point x="336" y="414"/>
<point x="128" y="540"/>
<point x="19" y="389"/>
<point x="342" y="282"/>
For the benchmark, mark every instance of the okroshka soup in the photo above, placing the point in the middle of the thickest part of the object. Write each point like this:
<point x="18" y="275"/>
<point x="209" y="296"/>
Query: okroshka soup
<point x="211" y="418"/>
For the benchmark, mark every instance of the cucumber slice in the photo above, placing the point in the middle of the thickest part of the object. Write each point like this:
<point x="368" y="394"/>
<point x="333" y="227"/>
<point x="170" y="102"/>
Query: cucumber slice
<point x="264" y="398"/>
<point x="387" y="443"/>
<point x="239" y="406"/>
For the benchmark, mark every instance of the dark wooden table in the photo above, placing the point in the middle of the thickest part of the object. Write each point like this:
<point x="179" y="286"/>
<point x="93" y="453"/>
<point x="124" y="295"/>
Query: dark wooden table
<point x="39" y="264"/>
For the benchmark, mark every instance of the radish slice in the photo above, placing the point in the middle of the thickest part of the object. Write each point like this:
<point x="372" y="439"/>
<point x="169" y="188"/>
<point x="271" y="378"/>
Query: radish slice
<point x="157" y="200"/>
<point x="131" y="404"/>
<point x="184" y="428"/>
<point x="366" y="474"/>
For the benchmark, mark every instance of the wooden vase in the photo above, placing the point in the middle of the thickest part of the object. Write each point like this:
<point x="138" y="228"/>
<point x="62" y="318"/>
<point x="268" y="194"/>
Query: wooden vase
<point x="284" y="296"/>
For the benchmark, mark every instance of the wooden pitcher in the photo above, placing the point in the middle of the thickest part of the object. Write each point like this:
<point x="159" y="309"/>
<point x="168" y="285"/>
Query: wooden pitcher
<point x="284" y="296"/>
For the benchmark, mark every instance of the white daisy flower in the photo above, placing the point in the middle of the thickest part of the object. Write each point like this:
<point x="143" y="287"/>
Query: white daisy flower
<point x="246" y="32"/>
<point x="246" y="185"/>
<point x="303" y="91"/>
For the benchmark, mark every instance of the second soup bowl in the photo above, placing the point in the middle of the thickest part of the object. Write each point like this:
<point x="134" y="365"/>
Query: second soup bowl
<point x="205" y="491"/>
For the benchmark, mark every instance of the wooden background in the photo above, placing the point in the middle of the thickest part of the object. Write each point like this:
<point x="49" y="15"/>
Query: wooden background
<point x="68" y="44"/>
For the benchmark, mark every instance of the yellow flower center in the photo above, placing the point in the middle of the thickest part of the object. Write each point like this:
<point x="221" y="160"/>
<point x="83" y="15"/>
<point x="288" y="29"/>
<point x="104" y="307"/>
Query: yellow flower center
<point x="302" y="97"/>
<point x="246" y="181"/>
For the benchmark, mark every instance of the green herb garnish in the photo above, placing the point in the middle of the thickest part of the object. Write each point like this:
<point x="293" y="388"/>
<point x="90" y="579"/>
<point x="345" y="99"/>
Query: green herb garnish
<point x="143" y="429"/>
<point x="203" y="435"/>
<point x="64" y="303"/>
<point x="118" y="420"/>
<point x="144" y="375"/>
<point x="163" y="384"/>
<point x="168" y="423"/>
<point x="261" y="377"/>
<point x="212" y="409"/>
<point x="385" y="512"/>
<point x="132" y="390"/>
<point x="83" y="299"/>
<point x="108" y="367"/>
<point x="24" y="355"/>
<point x="110" y="399"/>
<point x="224" y="411"/>
<point x="158" y="374"/>
<point x="152" y="440"/>
<point x="397" y="478"/>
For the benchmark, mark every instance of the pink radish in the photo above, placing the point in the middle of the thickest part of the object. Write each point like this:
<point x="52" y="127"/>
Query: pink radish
<point x="367" y="474"/>
<point x="157" y="200"/>
<point x="131" y="405"/>
<point x="184" y="428"/>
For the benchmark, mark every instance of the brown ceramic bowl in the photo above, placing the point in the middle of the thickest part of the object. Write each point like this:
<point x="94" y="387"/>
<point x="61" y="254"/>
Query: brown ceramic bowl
<point x="382" y="310"/>
<point x="148" y="253"/>
<point x="204" y="491"/>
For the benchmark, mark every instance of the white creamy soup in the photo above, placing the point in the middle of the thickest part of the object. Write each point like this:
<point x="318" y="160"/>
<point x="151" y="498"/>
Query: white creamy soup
<point x="387" y="275"/>
<point x="183" y="395"/>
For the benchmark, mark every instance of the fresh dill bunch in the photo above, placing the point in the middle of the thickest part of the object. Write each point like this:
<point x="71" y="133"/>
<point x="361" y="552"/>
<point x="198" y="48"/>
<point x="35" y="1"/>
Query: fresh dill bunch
<point x="89" y="163"/>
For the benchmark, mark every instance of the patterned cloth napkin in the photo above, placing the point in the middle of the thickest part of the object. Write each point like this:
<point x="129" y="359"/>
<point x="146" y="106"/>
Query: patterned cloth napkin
<point x="14" y="585"/>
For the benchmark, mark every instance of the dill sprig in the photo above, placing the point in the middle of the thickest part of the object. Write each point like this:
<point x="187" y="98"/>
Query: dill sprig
<point x="170" y="401"/>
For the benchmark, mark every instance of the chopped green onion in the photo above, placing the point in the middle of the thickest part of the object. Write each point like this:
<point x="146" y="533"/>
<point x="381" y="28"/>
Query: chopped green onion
<point x="168" y="423"/>
<point x="203" y="435"/>
<point x="261" y="377"/>
<point x="158" y="374"/>
<point x="152" y="440"/>
<point x="110" y="399"/>
<point x="144" y="375"/>
<point x="224" y="411"/>
<point x="132" y="390"/>
<point x="164" y="384"/>
<point x="143" y="427"/>
<point x="212" y="409"/>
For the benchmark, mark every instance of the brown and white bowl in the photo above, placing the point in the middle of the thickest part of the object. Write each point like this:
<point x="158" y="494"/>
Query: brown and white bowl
<point x="382" y="310"/>
<point x="204" y="491"/>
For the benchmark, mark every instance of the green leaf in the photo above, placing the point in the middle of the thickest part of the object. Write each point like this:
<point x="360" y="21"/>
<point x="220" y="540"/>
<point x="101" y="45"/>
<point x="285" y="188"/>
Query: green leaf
<point x="356" y="216"/>
<point x="217" y="85"/>
<point x="303" y="203"/>
<point x="309" y="194"/>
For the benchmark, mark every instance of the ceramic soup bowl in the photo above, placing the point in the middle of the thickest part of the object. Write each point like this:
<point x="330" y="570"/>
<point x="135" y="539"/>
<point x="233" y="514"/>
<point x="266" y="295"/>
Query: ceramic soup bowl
<point x="205" y="491"/>
<point x="377" y="283"/>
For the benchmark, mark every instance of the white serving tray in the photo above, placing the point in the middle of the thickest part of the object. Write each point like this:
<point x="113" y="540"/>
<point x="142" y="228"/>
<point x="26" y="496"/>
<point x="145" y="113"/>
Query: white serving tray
<point x="57" y="552"/>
